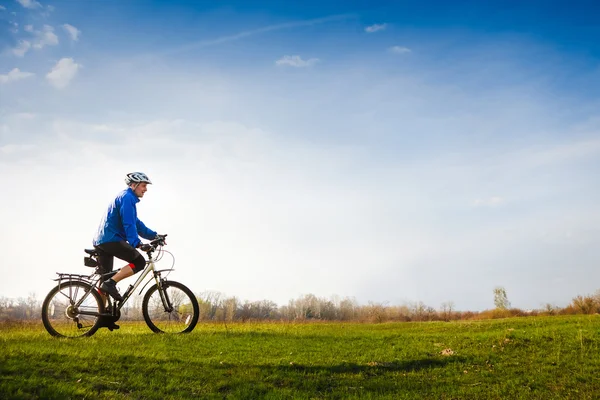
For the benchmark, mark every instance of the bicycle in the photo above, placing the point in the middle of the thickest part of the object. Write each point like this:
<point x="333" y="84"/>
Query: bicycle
<point x="76" y="307"/>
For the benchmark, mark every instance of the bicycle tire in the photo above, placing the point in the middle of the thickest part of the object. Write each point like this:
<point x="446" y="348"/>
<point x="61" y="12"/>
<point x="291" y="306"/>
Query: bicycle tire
<point x="182" y="319"/>
<point x="62" y="321"/>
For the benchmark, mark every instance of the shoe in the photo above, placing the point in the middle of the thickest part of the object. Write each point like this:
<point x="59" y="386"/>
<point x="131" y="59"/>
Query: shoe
<point x="112" y="326"/>
<point x="110" y="287"/>
<point x="106" y="322"/>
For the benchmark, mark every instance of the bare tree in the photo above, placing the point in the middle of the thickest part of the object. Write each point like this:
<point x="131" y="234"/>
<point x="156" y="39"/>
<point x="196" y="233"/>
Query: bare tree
<point x="500" y="298"/>
<point x="447" y="308"/>
<point x="230" y="307"/>
<point x="419" y="311"/>
<point x="585" y="304"/>
<point x="348" y="309"/>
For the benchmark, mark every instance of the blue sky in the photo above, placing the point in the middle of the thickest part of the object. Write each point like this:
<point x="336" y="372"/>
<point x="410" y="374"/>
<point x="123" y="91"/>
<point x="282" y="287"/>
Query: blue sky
<point x="387" y="151"/>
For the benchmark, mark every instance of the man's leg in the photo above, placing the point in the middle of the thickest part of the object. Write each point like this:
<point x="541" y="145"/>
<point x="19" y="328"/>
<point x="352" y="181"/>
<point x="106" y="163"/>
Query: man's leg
<point x="106" y="261"/>
<point x="123" y="273"/>
<point x="123" y="251"/>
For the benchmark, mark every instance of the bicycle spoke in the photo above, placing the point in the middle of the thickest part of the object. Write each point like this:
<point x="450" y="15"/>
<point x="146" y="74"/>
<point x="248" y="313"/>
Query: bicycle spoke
<point x="180" y="315"/>
<point x="62" y="316"/>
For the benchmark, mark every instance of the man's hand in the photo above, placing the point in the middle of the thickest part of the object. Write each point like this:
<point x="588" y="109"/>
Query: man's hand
<point x="146" y="247"/>
<point x="162" y="238"/>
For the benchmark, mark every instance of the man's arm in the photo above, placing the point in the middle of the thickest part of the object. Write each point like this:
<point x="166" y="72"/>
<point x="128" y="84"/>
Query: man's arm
<point x="129" y="219"/>
<point x="144" y="231"/>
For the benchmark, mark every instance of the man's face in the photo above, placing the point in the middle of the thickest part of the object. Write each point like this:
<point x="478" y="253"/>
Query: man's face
<point x="140" y="189"/>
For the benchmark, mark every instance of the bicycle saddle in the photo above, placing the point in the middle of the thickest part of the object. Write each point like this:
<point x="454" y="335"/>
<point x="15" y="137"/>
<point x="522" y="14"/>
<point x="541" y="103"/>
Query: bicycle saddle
<point x="91" y="252"/>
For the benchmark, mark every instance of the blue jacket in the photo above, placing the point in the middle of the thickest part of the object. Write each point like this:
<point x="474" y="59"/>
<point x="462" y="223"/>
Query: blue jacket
<point x="121" y="222"/>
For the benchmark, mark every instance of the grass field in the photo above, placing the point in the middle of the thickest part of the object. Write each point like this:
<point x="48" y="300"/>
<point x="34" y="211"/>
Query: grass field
<point x="520" y="358"/>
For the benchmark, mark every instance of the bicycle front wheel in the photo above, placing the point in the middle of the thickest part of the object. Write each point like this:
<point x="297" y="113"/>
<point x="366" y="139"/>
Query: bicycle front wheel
<point x="63" y="317"/>
<point x="171" y="308"/>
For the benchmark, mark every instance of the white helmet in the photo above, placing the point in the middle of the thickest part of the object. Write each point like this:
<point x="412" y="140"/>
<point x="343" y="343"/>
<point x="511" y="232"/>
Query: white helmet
<point x="136" y="177"/>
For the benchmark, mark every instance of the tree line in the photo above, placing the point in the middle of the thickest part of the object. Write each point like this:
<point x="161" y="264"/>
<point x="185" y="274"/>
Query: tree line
<point x="216" y="306"/>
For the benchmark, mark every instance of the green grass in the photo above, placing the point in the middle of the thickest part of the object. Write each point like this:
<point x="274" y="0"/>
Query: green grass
<point x="528" y="358"/>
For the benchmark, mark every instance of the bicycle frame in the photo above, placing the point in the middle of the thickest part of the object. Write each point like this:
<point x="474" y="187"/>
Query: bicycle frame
<point x="94" y="279"/>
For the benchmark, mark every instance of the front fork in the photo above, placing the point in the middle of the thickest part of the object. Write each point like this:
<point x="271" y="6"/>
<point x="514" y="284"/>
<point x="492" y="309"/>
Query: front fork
<point x="160" y="286"/>
<point x="164" y="296"/>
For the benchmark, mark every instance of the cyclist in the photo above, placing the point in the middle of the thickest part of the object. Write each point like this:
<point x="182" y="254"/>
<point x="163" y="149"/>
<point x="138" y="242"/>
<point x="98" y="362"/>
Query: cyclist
<point x="118" y="234"/>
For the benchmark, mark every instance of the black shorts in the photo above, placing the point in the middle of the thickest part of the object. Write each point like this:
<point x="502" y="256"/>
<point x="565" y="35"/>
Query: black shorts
<point x="121" y="250"/>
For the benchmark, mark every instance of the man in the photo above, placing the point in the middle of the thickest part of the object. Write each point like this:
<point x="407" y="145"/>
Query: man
<point x="118" y="233"/>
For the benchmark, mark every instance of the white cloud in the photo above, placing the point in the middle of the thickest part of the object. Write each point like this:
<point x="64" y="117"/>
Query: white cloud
<point x="31" y="4"/>
<point x="45" y="37"/>
<point x="73" y="32"/>
<point x="42" y="38"/>
<point x="489" y="201"/>
<point x="296" y="61"/>
<point x="15" y="75"/>
<point x="62" y="73"/>
<point x="22" y="48"/>
<point x="2" y="8"/>
<point x="399" y="50"/>
<point x="375" y="28"/>
<point x="46" y="13"/>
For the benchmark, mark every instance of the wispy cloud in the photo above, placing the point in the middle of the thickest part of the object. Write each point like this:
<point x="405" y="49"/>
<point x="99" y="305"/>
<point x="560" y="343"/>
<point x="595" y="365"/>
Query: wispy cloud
<point x="45" y="37"/>
<point x="31" y="4"/>
<point x="399" y="50"/>
<point x="2" y="8"/>
<point x="62" y="73"/>
<point x="245" y="34"/>
<point x="72" y="31"/>
<point x="49" y="10"/>
<point x="42" y="38"/>
<point x="375" y="28"/>
<point x="14" y="75"/>
<point x="296" y="61"/>
<point x="22" y="48"/>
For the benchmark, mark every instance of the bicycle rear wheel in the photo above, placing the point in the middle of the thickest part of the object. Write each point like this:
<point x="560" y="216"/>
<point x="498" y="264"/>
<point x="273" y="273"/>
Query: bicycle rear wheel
<point x="170" y="309"/>
<point x="62" y="318"/>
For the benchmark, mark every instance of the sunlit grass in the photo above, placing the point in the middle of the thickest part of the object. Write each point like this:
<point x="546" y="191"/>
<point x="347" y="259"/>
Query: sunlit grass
<point x="534" y="357"/>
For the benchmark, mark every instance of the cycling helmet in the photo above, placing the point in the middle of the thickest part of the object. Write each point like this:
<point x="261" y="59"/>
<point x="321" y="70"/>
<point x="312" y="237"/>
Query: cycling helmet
<point x="136" y="177"/>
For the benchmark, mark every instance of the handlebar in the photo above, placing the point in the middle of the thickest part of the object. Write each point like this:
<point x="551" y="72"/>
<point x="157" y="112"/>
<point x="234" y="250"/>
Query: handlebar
<point x="150" y="247"/>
